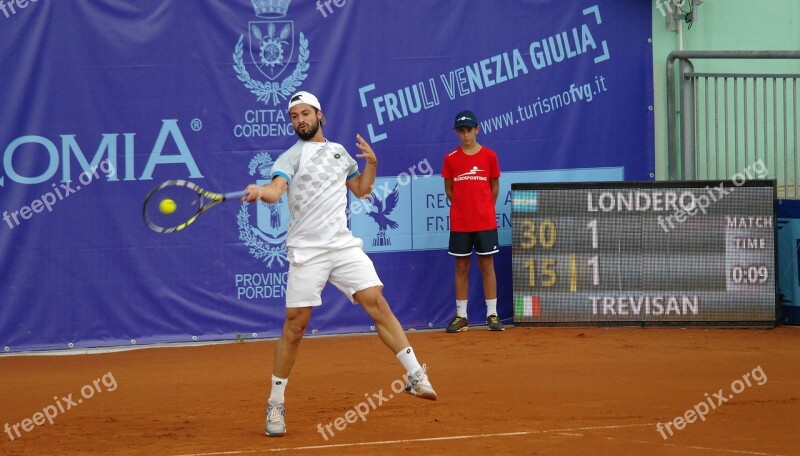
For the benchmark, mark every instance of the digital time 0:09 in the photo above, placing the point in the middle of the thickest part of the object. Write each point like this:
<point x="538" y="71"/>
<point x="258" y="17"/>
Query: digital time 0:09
<point x="749" y="275"/>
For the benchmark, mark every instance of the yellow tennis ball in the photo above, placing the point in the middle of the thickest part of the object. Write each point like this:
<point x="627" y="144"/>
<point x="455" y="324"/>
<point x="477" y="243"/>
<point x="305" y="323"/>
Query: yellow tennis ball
<point x="167" y="206"/>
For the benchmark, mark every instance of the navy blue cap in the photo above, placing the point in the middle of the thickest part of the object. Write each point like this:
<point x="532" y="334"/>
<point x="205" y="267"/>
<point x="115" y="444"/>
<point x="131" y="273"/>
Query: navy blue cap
<point x="465" y="119"/>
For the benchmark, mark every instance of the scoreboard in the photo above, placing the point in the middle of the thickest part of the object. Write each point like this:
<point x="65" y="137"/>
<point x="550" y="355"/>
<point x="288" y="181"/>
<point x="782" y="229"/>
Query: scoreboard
<point x="689" y="252"/>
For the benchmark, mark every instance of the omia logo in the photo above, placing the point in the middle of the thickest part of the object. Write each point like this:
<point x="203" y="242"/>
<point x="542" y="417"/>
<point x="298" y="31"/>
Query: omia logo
<point x="39" y="149"/>
<point x="266" y="240"/>
<point x="271" y="49"/>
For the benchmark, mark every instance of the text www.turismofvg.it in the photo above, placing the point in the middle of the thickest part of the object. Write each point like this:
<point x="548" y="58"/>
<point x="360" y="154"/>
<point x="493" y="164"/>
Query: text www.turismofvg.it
<point x="575" y="93"/>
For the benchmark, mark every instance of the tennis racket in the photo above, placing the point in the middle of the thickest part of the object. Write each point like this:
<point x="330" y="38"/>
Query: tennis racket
<point x="176" y="204"/>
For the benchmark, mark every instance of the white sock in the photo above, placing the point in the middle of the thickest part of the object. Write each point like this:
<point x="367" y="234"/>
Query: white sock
<point x="278" y="389"/>
<point x="491" y="307"/>
<point x="408" y="359"/>
<point x="461" y="308"/>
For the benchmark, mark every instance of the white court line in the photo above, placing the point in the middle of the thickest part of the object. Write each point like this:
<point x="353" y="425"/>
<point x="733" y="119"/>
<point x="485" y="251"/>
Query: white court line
<point x="428" y="439"/>
<point x="693" y="447"/>
<point x="565" y="432"/>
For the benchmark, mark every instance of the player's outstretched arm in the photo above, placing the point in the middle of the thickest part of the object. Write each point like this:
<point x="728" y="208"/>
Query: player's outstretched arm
<point x="268" y="193"/>
<point x="361" y="185"/>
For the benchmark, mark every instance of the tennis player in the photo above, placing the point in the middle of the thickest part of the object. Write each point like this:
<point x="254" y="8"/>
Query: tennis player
<point x="314" y="173"/>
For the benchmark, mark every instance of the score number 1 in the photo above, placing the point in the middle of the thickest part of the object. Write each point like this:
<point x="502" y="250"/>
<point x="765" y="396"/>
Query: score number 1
<point x="592" y="226"/>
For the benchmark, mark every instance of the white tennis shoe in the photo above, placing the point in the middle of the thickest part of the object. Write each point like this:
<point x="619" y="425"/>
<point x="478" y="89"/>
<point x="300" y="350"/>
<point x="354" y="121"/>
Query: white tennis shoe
<point x="419" y="385"/>
<point x="276" y="419"/>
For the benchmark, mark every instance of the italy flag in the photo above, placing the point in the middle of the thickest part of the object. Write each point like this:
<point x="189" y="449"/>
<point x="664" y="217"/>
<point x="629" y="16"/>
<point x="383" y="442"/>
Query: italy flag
<point x="526" y="306"/>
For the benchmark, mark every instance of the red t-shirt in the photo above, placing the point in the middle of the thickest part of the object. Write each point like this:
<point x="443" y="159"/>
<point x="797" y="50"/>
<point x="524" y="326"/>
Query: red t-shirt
<point x="472" y="206"/>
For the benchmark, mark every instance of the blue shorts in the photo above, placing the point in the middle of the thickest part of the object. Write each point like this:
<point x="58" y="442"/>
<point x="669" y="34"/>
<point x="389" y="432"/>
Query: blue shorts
<point x="484" y="243"/>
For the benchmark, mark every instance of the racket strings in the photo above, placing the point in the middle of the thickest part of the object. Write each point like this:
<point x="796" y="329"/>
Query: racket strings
<point x="162" y="216"/>
<point x="175" y="204"/>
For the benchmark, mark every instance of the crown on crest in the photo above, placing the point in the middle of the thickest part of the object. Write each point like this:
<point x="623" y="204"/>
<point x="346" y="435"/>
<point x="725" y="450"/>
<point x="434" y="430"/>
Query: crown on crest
<point x="271" y="8"/>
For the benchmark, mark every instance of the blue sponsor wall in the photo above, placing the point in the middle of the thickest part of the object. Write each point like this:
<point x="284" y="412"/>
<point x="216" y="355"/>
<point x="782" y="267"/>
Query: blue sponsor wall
<point x="788" y="259"/>
<point x="102" y="100"/>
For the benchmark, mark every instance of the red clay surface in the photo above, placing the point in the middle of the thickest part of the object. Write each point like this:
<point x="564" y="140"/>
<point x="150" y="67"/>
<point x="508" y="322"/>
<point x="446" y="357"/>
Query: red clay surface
<point x="525" y="391"/>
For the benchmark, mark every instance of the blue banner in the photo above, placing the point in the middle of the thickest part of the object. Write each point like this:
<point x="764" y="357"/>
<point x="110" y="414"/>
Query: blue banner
<point x="103" y="100"/>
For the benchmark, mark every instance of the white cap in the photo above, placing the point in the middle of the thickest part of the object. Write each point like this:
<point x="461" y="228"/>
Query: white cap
<point x="304" y="97"/>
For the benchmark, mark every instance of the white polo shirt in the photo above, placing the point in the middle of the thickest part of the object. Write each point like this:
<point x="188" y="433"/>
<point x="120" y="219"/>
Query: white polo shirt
<point x="317" y="196"/>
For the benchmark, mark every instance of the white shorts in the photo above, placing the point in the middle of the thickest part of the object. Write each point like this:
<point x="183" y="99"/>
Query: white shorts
<point x="348" y="269"/>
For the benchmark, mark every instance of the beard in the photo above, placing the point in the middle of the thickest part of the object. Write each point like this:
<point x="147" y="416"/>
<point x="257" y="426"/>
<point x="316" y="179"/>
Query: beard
<point x="310" y="133"/>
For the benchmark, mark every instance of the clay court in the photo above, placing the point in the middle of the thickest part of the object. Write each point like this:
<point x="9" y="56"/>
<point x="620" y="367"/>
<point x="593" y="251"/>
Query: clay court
<point x="528" y="390"/>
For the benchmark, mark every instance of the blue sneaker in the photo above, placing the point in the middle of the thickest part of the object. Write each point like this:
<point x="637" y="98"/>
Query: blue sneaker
<point x="457" y="325"/>
<point x="494" y="323"/>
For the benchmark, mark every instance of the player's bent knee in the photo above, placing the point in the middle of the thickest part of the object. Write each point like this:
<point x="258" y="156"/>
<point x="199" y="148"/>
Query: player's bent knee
<point x="375" y="305"/>
<point x="368" y="296"/>
<point x="293" y="332"/>
<point x="297" y="320"/>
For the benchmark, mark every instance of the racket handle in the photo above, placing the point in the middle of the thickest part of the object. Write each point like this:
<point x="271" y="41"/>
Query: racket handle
<point x="234" y="195"/>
